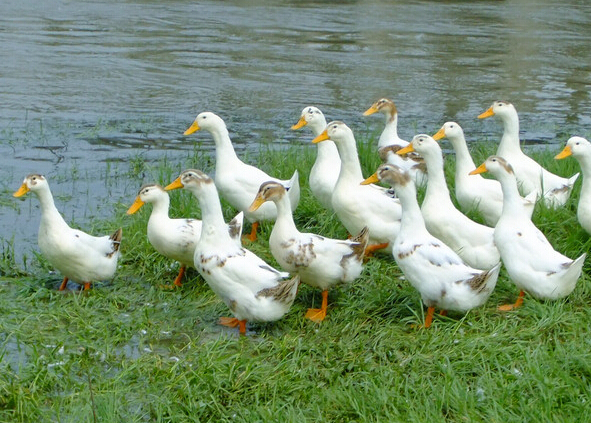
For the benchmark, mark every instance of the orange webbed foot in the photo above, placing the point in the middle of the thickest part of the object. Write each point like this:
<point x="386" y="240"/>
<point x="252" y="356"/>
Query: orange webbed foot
<point x="509" y="307"/>
<point x="316" y="314"/>
<point x="370" y="249"/>
<point x="232" y="322"/>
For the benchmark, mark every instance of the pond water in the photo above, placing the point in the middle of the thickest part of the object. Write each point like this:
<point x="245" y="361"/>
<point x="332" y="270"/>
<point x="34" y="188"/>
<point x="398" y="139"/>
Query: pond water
<point x="87" y="87"/>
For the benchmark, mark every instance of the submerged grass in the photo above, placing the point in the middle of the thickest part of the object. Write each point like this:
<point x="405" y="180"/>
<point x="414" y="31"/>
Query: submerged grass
<point x="130" y="351"/>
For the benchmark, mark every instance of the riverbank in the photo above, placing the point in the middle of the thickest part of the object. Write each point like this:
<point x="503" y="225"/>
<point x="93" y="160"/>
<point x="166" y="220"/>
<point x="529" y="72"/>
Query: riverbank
<point x="131" y="351"/>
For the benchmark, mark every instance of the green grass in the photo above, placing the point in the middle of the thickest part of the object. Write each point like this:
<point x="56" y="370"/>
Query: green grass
<point x="129" y="351"/>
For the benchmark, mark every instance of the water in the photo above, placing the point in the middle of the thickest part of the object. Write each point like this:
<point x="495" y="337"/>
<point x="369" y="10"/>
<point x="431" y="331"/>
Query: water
<point x="88" y="86"/>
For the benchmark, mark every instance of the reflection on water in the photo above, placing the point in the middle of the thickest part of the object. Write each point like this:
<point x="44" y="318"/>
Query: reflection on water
<point x="85" y="84"/>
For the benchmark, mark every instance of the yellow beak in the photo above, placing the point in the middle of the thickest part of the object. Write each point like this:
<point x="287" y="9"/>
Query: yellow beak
<point x="564" y="153"/>
<point x="489" y="112"/>
<point x="174" y="184"/>
<point x="373" y="109"/>
<point x="137" y="204"/>
<point x="193" y="128"/>
<point x="21" y="191"/>
<point x="301" y="123"/>
<point x="258" y="202"/>
<point x="408" y="149"/>
<point x="480" y="169"/>
<point x="322" y="137"/>
<point x="371" y="180"/>
<point x="439" y="134"/>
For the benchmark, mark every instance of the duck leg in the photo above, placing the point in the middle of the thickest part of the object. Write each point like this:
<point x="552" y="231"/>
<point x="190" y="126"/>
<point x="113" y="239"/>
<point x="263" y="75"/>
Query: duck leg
<point x="64" y="283"/>
<point x="232" y="322"/>
<point x="318" y="314"/>
<point x="369" y="250"/>
<point x="518" y="303"/>
<point x="177" y="281"/>
<point x="86" y="286"/>
<point x="253" y="232"/>
<point x="443" y="313"/>
<point x="429" y="317"/>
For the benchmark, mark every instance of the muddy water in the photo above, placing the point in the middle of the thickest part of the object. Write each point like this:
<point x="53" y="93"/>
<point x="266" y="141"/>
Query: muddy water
<point x="88" y="88"/>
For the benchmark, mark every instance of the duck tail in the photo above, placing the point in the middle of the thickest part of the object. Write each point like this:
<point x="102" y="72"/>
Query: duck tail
<point x="362" y="239"/>
<point x="116" y="239"/>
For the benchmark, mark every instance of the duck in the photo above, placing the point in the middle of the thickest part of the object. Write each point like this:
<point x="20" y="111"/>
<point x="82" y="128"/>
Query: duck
<point x="174" y="238"/>
<point x="442" y="278"/>
<point x="389" y="142"/>
<point x="531" y="262"/>
<point x="251" y="288"/>
<point x="237" y="181"/>
<point x="319" y="261"/>
<point x="357" y="205"/>
<point x="474" y="192"/>
<point x="531" y="177"/>
<point x="78" y="256"/>
<point x="472" y="241"/>
<point x="580" y="149"/>
<point x="325" y="171"/>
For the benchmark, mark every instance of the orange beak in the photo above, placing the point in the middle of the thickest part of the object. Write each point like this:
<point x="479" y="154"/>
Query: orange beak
<point x="371" y="180"/>
<point x="489" y="112"/>
<point x="301" y="123"/>
<point x="193" y="128"/>
<point x="564" y="153"/>
<point x="174" y="184"/>
<point x="322" y="137"/>
<point x="408" y="149"/>
<point x="480" y="169"/>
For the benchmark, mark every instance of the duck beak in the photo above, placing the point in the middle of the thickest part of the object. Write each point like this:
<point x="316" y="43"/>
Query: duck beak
<point x="21" y="191"/>
<point x="371" y="180"/>
<point x="258" y="202"/>
<point x="174" y="184"/>
<point x="564" y="153"/>
<point x="301" y="123"/>
<point x="137" y="204"/>
<point x="193" y="128"/>
<point x="408" y="149"/>
<point x="480" y="169"/>
<point x="439" y="134"/>
<point x="322" y="137"/>
<point x="489" y="112"/>
<point x="373" y="109"/>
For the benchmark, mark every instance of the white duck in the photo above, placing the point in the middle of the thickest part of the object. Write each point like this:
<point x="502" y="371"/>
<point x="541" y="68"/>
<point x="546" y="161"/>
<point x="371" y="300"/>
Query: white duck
<point x="431" y="267"/>
<point x="320" y="262"/>
<point x="251" y="288"/>
<point x="79" y="256"/>
<point x="472" y="241"/>
<point x="474" y="191"/>
<point x="531" y="177"/>
<point x="389" y="142"/>
<point x="325" y="171"/>
<point x="531" y="261"/>
<point x="580" y="149"/>
<point x="358" y="205"/>
<point x="174" y="238"/>
<point x="237" y="181"/>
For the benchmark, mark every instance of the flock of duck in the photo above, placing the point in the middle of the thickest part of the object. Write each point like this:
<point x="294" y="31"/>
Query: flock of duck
<point x="451" y="260"/>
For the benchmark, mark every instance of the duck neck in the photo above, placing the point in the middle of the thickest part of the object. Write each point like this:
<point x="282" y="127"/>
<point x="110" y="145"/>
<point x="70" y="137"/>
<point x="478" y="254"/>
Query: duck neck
<point x="389" y="135"/>
<point x="49" y="213"/>
<point x="160" y="207"/>
<point x="284" y="220"/>
<point x="212" y="217"/>
<point x="510" y="140"/>
<point x="585" y="163"/>
<point x="436" y="185"/>
<point x="224" y="150"/>
<point x="464" y="162"/>
<point x="512" y="201"/>
<point x="412" y="219"/>
<point x="350" y="165"/>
